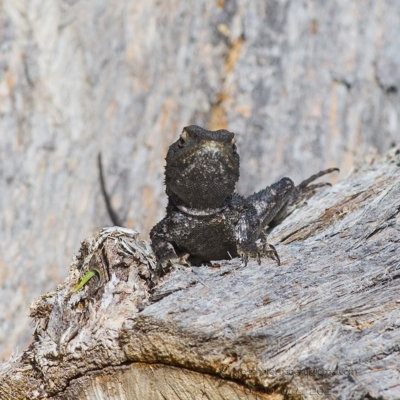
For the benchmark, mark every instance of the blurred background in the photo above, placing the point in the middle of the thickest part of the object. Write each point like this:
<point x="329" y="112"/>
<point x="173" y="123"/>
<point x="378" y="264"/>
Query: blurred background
<point x="305" y="85"/>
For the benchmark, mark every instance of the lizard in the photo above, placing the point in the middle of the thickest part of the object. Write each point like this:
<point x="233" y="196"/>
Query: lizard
<point x="205" y="218"/>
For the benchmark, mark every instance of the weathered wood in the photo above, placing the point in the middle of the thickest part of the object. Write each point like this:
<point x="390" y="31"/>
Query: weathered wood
<point x="305" y="85"/>
<point x="325" y="324"/>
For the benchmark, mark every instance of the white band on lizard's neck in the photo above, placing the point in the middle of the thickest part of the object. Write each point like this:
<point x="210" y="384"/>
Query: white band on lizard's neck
<point x="197" y="212"/>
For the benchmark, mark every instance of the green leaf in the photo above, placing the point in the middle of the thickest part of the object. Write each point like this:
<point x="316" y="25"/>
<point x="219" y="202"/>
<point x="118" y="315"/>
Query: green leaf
<point x="86" y="278"/>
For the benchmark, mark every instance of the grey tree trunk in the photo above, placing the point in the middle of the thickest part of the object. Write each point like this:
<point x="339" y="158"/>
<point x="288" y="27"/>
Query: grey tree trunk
<point x="304" y="85"/>
<point x="325" y="324"/>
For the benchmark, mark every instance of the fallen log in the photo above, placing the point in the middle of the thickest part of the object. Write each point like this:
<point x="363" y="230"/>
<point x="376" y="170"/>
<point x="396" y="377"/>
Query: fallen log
<point x="325" y="324"/>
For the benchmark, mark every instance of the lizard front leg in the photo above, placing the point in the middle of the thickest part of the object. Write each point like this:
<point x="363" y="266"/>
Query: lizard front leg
<point x="251" y="239"/>
<point x="162" y="243"/>
<point x="263" y="206"/>
<point x="270" y="207"/>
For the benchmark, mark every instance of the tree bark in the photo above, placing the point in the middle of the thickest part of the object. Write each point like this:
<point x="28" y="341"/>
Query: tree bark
<point x="305" y="85"/>
<point x="325" y="324"/>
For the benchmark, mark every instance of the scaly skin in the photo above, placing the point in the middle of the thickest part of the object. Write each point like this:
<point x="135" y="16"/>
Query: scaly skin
<point x="206" y="220"/>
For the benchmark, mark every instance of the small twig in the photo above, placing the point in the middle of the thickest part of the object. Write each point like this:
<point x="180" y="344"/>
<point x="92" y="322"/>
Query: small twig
<point x="113" y="215"/>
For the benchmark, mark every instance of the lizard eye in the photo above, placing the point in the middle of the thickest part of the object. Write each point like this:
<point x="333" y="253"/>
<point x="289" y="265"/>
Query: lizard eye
<point x="234" y="148"/>
<point x="183" y="138"/>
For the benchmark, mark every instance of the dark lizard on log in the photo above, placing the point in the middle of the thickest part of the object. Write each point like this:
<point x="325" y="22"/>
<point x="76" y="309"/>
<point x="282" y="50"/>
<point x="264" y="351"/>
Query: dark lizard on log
<point x="206" y="220"/>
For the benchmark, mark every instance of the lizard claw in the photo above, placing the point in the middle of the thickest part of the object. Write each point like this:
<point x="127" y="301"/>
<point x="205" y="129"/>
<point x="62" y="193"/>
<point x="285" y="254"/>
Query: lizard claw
<point x="166" y="264"/>
<point x="258" y="250"/>
<point x="245" y="259"/>
<point x="271" y="252"/>
<point x="312" y="178"/>
<point x="267" y="250"/>
<point x="304" y="190"/>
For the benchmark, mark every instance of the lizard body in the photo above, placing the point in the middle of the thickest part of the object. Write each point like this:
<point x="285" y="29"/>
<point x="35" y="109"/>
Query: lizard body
<point x="206" y="220"/>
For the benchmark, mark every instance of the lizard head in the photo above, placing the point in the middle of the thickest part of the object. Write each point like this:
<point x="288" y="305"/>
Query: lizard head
<point x="202" y="167"/>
